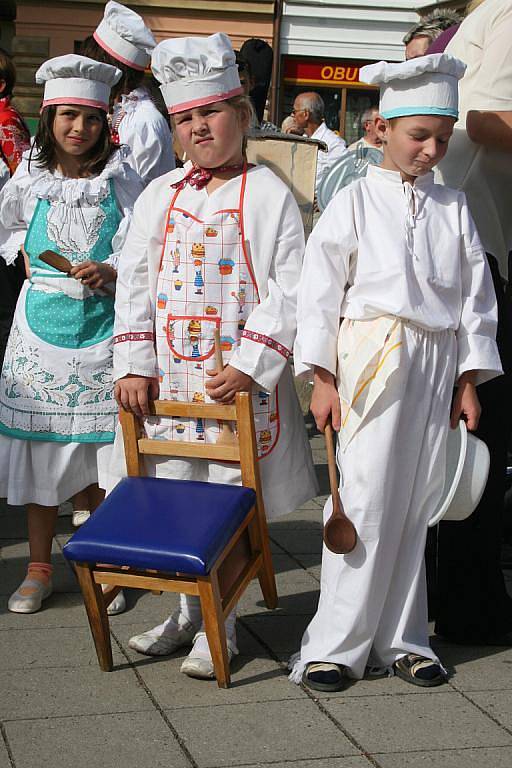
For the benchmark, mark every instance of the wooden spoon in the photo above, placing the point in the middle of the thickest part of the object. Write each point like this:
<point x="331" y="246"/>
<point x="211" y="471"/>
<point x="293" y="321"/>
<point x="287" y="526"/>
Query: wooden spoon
<point x="226" y="437"/>
<point x="340" y="535"/>
<point x="64" y="265"/>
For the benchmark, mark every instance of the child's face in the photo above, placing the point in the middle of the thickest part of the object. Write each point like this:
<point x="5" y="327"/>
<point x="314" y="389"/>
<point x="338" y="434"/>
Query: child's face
<point x="76" y="129"/>
<point x="414" y="145"/>
<point x="211" y="135"/>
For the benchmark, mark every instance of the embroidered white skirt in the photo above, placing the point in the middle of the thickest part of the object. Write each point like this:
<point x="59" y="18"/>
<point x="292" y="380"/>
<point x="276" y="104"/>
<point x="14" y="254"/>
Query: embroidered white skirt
<point x="48" y="473"/>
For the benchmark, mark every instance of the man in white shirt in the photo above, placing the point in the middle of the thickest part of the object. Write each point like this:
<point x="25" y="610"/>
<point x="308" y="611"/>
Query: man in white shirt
<point x="308" y="112"/>
<point x="370" y="138"/>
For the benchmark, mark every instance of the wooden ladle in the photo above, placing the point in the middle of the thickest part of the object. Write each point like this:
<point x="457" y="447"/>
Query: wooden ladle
<point x="227" y="436"/>
<point x="57" y="261"/>
<point x="340" y="535"/>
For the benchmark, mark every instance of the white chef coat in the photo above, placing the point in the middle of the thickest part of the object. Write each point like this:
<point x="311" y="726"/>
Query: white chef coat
<point x="384" y="247"/>
<point x="273" y="230"/>
<point x="484" y="43"/>
<point x="146" y="131"/>
<point x="336" y="148"/>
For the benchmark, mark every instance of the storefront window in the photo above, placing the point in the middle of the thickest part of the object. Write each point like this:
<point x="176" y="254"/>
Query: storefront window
<point x="337" y="82"/>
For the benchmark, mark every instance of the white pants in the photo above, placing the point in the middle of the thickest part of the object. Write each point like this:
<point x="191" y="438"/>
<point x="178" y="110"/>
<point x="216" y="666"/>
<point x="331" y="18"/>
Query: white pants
<point x="373" y="604"/>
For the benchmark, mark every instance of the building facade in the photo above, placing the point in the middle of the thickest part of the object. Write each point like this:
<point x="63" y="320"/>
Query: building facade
<point x="323" y="44"/>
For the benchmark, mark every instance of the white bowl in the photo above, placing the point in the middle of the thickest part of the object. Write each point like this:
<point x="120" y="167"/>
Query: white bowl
<point x="467" y="469"/>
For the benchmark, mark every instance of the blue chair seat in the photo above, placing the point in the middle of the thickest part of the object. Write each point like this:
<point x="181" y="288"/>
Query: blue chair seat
<point x="166" y="525"/>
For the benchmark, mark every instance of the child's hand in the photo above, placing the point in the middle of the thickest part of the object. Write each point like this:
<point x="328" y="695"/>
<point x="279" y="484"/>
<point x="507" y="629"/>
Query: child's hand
<point x="466" y="403"/>
<point x="133" y="393"/>
<point x="94" y="274"/>
<point x="325" y="401"/>
<point x="224" y="386"/>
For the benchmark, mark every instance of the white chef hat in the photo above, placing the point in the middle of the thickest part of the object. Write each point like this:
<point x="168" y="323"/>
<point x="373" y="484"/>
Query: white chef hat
<point x="195" y="71"/>
<point x="123" y="34"/>
<point x="74" y="79"/>
<point x="427" y="85"/>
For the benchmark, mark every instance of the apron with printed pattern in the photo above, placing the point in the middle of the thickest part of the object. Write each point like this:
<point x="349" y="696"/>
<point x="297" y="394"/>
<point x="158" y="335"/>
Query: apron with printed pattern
<point x="205" y="282"/>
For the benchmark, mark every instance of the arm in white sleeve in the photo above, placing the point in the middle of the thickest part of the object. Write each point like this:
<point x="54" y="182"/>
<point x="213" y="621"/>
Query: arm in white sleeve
<point x="476" y="335"/>
<point x="127" y="189"/>
<point x="134" y="349"/>
<point x="269" y="333"/>
<point x="152" y="148"/>
<point x="322" y="286"/>
<point x="13" y="214"/>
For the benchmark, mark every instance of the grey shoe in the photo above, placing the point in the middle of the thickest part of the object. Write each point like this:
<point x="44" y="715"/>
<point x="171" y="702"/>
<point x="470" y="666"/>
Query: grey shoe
<point x="198" y="666"/>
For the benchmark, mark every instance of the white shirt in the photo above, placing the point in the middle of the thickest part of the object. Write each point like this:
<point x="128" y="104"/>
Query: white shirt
<point x="383" y="247"/>
<point x="484" y="43"/>
<point x="336" y="148"/>
<point x="147" y="133"/>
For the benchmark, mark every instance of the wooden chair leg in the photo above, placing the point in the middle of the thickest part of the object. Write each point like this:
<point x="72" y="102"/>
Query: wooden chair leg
<point x="266" y="575"/>
<point x="215" y="628"/>
<point x="97" y="615"/>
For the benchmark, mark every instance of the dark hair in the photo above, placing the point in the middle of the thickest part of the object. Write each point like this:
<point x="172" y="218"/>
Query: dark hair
<point x="43" y="150"/>
<point x="7" y="73"/>
<point x="131" y="78"/>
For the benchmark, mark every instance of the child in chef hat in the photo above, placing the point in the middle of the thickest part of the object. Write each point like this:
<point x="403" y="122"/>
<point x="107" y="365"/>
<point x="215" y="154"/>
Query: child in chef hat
<point x="398" y="258"/>
<point x="234" y="232"/>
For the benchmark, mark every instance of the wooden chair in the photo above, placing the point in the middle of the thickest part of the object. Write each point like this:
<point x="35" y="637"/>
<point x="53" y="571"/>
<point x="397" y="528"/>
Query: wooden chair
<point x="205" y="539"/>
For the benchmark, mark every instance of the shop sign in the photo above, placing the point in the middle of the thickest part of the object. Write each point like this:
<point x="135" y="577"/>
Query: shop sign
<point x="327" y="73"/>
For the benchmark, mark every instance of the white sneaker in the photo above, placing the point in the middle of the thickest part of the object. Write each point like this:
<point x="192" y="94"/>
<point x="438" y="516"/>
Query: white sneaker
<point x="19" y="603"/>
<point x="199" y="662"/>
<point x="80" y="516"/>
<point x="118" y="604"/>
<point x="165" y="638"/>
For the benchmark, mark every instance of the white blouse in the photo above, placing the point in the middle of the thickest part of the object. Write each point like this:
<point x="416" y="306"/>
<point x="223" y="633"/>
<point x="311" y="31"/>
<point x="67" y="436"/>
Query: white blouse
<point x="147" y="133"/>
<point x="75" y="216"/>
<point x="384" y="247"/>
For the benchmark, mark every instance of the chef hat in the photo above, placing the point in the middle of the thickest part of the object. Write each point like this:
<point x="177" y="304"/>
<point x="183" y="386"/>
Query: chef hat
<point x="73" y="79"/>
<point x="123" y="34"/>
<point x="427" y="85"/>
<point x="195" y="71"/>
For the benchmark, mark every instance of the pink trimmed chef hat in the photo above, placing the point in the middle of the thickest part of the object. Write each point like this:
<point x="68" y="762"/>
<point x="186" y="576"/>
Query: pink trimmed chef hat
<point x="123" y="34"/>
<point x="74" y="79"/>
<point x="194" y="71"/>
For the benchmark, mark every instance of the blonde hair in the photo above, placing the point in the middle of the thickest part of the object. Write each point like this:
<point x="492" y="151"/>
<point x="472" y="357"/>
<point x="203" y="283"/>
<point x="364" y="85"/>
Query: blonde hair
<point x="473" y="5"/>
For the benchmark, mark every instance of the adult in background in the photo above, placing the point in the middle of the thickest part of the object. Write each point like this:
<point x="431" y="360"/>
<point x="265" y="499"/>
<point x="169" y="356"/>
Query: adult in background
<point x="14" y="140"/>
<point x="308" y="113"/>
<point x="370" y="138"/>
<point x="123" y="40"/>
<point x="420" y="37"/>
<point x="473" y="605"/>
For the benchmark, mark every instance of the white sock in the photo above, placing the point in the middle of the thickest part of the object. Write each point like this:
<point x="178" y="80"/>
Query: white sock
<point x="190" y="610"/>
<point x="201" y="649"/>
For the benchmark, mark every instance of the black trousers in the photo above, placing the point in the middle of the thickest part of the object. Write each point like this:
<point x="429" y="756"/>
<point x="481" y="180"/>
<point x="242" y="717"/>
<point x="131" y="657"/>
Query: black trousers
<point x="11" y="281"/>
<point x="466" y="586"/>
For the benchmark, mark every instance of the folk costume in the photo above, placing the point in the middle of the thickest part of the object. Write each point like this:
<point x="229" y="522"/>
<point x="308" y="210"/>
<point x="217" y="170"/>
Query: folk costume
<point x="57" y="412"/>
<point x="194" y="262"/>
<point x="403" y="265"/>
<point x="136" y="121"/>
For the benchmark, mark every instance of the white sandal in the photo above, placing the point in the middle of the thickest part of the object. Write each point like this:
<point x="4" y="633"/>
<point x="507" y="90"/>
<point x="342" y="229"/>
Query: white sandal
<point x="19" y="603"/>
<point x="166" y="638"/>
<point x="199" y="666"/>
<point x="80" y="516"/>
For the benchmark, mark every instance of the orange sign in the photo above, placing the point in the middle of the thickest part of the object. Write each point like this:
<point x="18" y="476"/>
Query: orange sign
<point x="333" y="73"/>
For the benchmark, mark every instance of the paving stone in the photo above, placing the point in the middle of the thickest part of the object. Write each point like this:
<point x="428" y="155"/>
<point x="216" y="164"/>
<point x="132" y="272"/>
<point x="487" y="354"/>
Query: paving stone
<point x="282" y="632"/>
<point x="252" y="733"/>
<point x="4" y="756"/>
<point x="298" y="541"/>
<point x="380" y="686"/>
<point x="252" y="680"/>
<point x="406" y="723"/>
<point x="497" y="757"/>
<point x="59" y="610"/>
<point x="63" y="578"/>
<point x="331" y="762"/>
<point x="80" y="691"/>
<point x="297" y="592"/>
<point x="115" y="741"/>
<point x="25" y="649"/>
<point x="15" y="552"/>
<point x="482" y="668"/>
<point x="497" y="703"/>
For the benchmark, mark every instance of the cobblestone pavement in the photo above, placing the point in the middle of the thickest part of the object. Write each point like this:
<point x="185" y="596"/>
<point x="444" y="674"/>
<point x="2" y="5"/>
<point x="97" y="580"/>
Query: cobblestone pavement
<point x="58" y="709"/>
